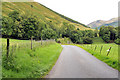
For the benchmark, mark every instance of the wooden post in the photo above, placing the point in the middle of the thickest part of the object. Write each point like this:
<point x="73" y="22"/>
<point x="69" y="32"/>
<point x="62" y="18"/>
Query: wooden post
<point x="95" y="48"/>
<point x="8" y="47"/>
<point x="109" y="51"/>
<point x="31" y="43"/>
<point x="101" y="49"/>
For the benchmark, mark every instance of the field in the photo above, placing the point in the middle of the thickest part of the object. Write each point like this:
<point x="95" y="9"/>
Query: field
<point x="26" y="63"/>
<point x="98" y="40"/>
<point x="100" y="50"/>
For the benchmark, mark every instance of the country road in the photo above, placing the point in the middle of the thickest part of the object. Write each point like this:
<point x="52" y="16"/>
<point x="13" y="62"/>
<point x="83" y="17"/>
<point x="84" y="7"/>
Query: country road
<point x="75" y="62"/>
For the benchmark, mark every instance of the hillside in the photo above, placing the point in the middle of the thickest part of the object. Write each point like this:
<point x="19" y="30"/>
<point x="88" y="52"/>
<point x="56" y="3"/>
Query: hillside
<point x="99" y="23"/>
<point x="45" y="14"/>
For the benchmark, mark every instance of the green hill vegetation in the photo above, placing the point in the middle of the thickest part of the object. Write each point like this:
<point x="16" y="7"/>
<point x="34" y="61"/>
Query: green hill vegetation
<point x="27" y="20"/>
<point x="45" y="14"/>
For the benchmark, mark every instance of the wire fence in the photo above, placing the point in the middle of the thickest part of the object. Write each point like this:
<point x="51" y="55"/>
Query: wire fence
<point x="110" y="50"/>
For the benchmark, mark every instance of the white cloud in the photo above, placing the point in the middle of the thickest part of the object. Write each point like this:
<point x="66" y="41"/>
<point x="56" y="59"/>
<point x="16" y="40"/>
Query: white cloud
<point x="84" y="11"/>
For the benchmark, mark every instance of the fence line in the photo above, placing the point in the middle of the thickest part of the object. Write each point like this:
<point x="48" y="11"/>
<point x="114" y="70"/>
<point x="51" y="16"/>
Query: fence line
<point x="97" y="48"/>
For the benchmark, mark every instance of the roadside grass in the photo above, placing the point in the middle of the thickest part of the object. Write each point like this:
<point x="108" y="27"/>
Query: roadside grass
<point x="111" y="59"/>
<point x="26" y="63"/>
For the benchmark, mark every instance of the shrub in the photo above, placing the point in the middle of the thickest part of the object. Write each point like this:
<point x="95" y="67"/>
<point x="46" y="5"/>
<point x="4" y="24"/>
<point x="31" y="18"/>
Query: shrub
<point x="87" y="40"/>
<point x="106" y="38"/>
<point x="58" y="41"/>
<point x="79" y="41"/>
<point x="117" y="41"/>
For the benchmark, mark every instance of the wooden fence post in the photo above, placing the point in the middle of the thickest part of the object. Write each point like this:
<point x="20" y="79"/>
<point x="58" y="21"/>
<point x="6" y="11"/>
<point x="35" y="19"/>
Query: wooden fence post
<point x="109" y="51"/>
<point x="101" y="49"/>
<point x="7" y="47"/>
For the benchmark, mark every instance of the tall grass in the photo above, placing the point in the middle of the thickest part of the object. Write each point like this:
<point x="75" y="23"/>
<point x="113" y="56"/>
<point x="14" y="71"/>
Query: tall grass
<point x="111" y="59"/>
<point x="26" y="63"/>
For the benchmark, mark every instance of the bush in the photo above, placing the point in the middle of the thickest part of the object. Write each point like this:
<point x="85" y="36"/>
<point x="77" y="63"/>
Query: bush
<point x="87" y="40"/>
<point x="64" y="40"/>
<point x="58" y="41"/>
<point x="106" y="38"/>
<point x="79" y="41"/>
<point x="117" y="41"/>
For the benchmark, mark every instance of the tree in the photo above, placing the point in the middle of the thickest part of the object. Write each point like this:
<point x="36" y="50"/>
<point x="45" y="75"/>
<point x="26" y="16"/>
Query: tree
<point x="7" y="30"/>
<point x="108" y="33"/>
<point x="7" y="24"/>
<point x="106" y="38"/>
<point x="15" y="15"/>
<point x="49" y="34"/>
<point x="96" y="32"/>
<point x="113" y="33"/>
<point x="66" y="29"/>
<point x="30" y="25"/>
<point x="88" y="33"/>
<point x="76" y="37"/>
<point x="117" y="41"/>
<point x="101" y="33"/>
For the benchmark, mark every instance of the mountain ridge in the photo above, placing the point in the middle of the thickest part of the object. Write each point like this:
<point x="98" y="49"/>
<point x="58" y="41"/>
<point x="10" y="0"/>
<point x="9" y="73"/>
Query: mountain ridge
<point x="98" y="23"/>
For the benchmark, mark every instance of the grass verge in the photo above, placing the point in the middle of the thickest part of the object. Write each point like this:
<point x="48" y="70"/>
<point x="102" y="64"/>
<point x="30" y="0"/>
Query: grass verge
<point x="111" y="59"/>
<point x="26" y="63"/>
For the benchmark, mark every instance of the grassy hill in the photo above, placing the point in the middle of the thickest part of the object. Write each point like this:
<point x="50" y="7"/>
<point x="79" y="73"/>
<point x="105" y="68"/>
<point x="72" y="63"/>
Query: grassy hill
<point x="45" y="14"/>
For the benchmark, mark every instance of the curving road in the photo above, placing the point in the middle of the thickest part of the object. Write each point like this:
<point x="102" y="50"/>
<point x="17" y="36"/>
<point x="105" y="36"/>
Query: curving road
<point x="75" y="62"/>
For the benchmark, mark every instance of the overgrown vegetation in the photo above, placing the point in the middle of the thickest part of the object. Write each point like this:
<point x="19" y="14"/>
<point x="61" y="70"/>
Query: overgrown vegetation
<point x="26" y="63"/>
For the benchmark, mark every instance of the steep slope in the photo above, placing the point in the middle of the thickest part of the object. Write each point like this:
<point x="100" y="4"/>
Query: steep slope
<point x="45" y="14"/>
<point x="99" y="23"/>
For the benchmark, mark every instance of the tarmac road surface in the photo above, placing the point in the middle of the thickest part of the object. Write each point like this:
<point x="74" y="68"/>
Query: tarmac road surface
<point x="75" y="62"/>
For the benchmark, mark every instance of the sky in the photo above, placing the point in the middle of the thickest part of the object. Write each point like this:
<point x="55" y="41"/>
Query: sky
<point x="84" y="11"/>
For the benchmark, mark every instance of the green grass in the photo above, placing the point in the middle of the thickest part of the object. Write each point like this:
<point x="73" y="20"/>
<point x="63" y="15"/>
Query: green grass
<point x="98" y="40"/>
<point x="101" y="54"/>
<point x="111" y="59"/>
<point x="26" y="63"/>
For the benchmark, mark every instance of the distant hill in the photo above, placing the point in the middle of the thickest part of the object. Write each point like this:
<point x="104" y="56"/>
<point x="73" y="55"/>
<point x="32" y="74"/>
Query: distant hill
<point x="45" y="14"/>
<point x="112" y="22"/>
